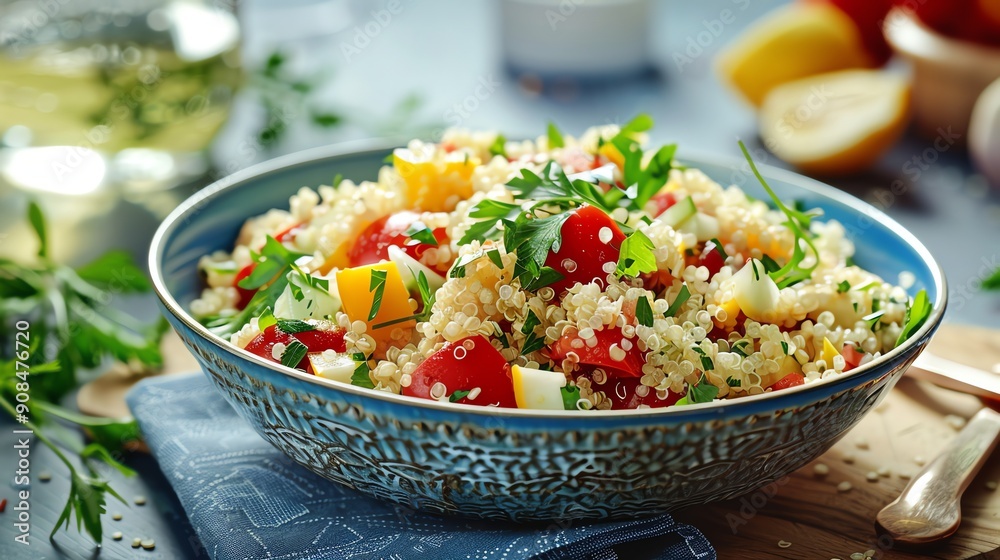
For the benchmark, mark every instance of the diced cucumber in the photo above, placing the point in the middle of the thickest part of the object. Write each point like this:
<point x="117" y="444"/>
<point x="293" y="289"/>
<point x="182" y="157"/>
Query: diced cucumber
<point x="410" y="268"/>
<point x="316" y="303"/>
<point x="678" y="213"/>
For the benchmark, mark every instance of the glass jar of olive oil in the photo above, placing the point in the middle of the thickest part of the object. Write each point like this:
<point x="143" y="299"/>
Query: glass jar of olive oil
<point x="126" y="93"/>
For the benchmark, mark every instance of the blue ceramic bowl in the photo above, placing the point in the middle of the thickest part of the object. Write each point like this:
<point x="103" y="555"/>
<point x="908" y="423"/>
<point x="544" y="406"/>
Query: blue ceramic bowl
<point x="527" y="465"/>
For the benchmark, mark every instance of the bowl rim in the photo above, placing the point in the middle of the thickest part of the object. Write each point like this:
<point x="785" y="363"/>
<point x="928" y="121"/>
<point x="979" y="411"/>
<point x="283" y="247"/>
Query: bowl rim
<point x="373" y="146"/>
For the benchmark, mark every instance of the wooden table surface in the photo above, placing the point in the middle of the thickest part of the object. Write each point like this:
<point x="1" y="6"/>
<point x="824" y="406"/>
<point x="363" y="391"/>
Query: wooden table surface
<point x="807" y="510"/>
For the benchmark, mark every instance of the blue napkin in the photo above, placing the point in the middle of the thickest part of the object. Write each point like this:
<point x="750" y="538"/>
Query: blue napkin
<point x="247" y="500"/>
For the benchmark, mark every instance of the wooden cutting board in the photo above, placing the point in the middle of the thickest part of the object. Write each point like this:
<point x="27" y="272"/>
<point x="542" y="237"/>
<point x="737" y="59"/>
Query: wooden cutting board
<point x="806" y="516"/>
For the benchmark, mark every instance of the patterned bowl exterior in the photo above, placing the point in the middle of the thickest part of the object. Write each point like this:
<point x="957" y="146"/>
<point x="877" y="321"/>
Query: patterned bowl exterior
<point x="517" y="464"/>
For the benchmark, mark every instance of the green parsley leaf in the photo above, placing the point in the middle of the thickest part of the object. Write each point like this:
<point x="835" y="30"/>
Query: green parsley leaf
<point x="640" y="123"/>
<point x="546" y="275"/>
<point x="532" y="241"/>
<point x="421" y="233"/>
<point x="636" y="255"/>
<point x="843" y="287"/>
<point x="376" y="285"/>
<point x="784" y="347"/>
<point x="555" y="137"/>
<point x="324" y="119"/>
<point x="499" y="146"/>
<point x="458" y="395"/>
<point x="293" y="354"/>
<point x="770" y="265"/>
<point x="266" y="319"/>
<point x="292" y="326"/>
<point x="717" y="246"/>
<point x="644" y="312"/>
<point x="532" y="344"/>
<point x="338" y="179"/>
<point x="702" y="392"/>
<point x="679" y="301"/>
<point x="37" y="221"/>
<point x="530" y="322"/>
<point x="115" y="270"/>
<point x="916" y="315"/>
<point x="992" y="282"/>
<point x="570" y="397"/>
<point x="275" y="260"/>
<point x="733" y="382"/>
<point x="739" y="347"/>
<point x="872" y="319"/>
<point x="495" y="258"/>
<point x="361" y="377"/>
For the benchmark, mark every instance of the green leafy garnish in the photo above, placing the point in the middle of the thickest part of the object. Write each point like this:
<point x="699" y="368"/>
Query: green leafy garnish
<point x="992" y="282"/>
<point x="269" y="278"/>
<point x="73" y="327"/>
<point x="739" y="348"/>
<point x="732" y="382"/>
<point x="872" y="319"/>
<point x="499" y="146"/>
<point x="701" y="392"/>
<point x="706" y="362"/>
<point x="717" y="247"/>
<point x="421" y="233"/>
<point x="679" y="301"/>
<point x="458" y="395"/>
<point x="644" y="312"/>
<point x="555" y="137"/>
<point x="292" y="326"/>
<point x="532" y="240"/>
<point x="37" y="221"/>
<point x="916" y="315"/>
<point x="376" y="285"/>
<point x="533" y="343"/>
<point x="495" y="258"/>
<point x="530" y="322"/>
<point x="293" y="354"/>
<point x="793" y="271"/>
<point x="843" y="287"/>
<point x="636" y="255"/>
<point x="784" y="347"/>
<point x="570" y="396"/>
<point x="361" y="377"/>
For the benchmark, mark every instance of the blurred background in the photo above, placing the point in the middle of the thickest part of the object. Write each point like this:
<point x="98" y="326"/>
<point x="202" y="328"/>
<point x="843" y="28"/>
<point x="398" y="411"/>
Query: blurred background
<point x="113" y="112"/>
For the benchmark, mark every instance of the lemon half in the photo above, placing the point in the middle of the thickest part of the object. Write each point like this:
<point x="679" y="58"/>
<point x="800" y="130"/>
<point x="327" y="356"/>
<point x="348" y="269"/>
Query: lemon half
<point x="835" y="123"/>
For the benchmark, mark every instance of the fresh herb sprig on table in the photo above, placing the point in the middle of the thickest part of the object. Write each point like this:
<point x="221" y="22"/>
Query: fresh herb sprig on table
<point x="69" y="309"/>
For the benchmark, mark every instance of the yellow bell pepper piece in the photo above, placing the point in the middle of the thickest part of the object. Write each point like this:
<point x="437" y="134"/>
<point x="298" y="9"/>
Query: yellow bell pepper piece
<point x="354" y="285"/>
<point x="829" y="352"/>
<point x="435" y="183"/>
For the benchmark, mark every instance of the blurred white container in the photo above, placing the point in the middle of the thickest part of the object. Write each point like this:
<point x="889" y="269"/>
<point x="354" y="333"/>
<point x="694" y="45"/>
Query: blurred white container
<point x="576" y="38"/>
<point x="948" y="74"/>
<point x="984" y="133"/>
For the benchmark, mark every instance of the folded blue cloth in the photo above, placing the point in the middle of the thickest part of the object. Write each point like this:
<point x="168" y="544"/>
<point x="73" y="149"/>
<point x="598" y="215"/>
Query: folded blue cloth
<point x="246" y="499"/>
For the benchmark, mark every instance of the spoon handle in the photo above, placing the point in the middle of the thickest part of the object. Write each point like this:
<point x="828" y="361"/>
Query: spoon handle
<point x="937" y="489"/>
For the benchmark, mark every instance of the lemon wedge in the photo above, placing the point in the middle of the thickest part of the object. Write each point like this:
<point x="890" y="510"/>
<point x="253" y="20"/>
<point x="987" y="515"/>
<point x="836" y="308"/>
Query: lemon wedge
<point x="835" y="123"/>
<point x="792" y="42"/>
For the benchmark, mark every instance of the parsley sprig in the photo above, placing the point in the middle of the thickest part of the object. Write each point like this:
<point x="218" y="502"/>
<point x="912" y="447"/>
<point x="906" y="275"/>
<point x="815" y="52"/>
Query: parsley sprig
<point x="798" y="221"/>
<point x="69" y="310"/>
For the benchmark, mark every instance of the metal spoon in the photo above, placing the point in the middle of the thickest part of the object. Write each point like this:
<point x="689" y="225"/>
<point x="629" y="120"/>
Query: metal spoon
<point x="929" y="508"/>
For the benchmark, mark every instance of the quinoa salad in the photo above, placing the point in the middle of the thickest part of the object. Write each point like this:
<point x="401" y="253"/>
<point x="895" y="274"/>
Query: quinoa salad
<point x="557" y="273"/>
